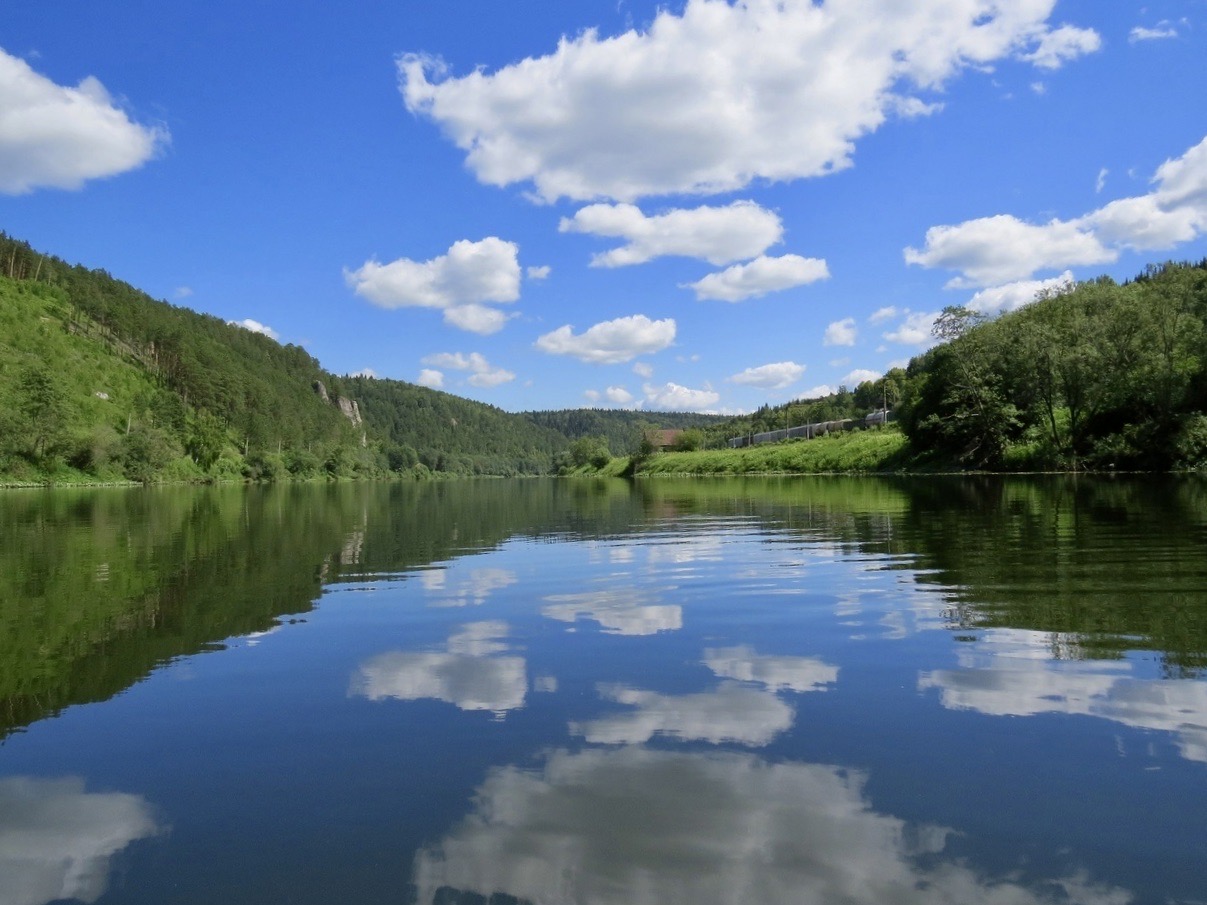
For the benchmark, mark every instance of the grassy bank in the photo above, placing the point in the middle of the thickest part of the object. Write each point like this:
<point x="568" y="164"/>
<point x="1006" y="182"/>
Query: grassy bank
<point x="876" y="450"/>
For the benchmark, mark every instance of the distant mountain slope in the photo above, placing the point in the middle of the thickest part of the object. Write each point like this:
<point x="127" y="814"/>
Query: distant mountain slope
<point x="622" y="429"/>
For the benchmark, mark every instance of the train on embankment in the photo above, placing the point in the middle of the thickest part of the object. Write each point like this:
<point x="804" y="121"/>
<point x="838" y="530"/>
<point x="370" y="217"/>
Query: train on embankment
<point x="816" y="429"/>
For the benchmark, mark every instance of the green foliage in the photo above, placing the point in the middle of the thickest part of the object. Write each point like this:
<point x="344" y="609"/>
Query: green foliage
<point x="880" y="450"/>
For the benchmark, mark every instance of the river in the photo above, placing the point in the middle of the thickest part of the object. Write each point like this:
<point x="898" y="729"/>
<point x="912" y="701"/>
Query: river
<point x="797" y="690"/>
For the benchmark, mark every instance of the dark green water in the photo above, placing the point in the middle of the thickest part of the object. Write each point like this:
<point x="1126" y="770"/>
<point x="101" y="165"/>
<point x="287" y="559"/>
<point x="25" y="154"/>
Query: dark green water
<point x="744" y="691"/>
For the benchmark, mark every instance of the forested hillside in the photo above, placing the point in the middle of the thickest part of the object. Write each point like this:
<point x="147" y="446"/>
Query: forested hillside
<point x="620" y="430"/>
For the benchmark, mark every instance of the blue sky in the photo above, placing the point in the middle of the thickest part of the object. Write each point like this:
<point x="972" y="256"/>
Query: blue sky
<point x="703" y="205"/>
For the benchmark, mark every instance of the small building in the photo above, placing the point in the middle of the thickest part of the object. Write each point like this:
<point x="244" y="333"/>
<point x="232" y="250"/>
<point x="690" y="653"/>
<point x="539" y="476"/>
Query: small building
<point x="662" y="440"/>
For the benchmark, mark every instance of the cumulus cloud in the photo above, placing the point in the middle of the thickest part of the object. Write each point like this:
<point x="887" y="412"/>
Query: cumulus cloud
<point x="611" y="342"/>
<point x="459" y="283"/>
<point x="466" y="674"/>
<point x="858" y="376"/>
<point x="57" y="137"/>
<point x="991" y="251"/>
<point x="481" y="372"/>
<point x="364" y="372"/>
<point x="774" y="376"/>
<point x="759" y="277"/>
<point x="883" y="314"/>
<point x="643" y="369"/>
<point x="1014" y="295"/>
<point x="430" y="378"/>
<point x="539" y="273"/>
<point x="1163" y="31"/>
<point x="708" y="99"/>
<point x="914" y="330"/>
<point x="819" y="392"/>
<point x="719" y="235"/>
<point x="618" y="395"/>
<point x="1058" y="46"/>
<point x="56" y="840"/>
<point x="841" y="333"/>
<point x="648" y="827"/>
<point x="256" y="327"/>
<point x="675" y="398"/>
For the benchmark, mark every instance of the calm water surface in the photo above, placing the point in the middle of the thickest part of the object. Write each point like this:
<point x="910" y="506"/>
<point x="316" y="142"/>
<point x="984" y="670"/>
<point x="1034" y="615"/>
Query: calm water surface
<point x="745" y="691"/>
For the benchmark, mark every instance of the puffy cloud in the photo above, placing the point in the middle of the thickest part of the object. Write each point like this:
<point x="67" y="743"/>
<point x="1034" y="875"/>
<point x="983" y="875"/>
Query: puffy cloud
<point x="364" y="372"/>
<point x="482" y="373"/>
<point x="466" y="674"/>
<point x="611" y="342"/>
<point x="858" y="376"/>
<point x="591" y="395"/>
<point x="640" y="826"/>
<point x="760" y="276"/>
<point x="56" y="840"/>
<point x="883" y="314"/>
<point x="1163" y="31"/>
<point x="57" y="137"/>
<point x="819" y="392"/>
<point x="914" y="330"/>
<point x="539" y="273"/>
<point x="618" y="395"/>
<point x="731" y="713"/>
<point x="773" y="376"/>
<point x="841" y="333"/>
<point x="721" y="94"/>
<point x="775" y="672"/>
<point x="643" y="369"/>
<point x="1015" y="295"/>
<point x="1062" y="44"/>
<point x="676" y="398"/>
<point x="1001" y="249"/>
<point x="718" y="235"/>
<point x="256" y="327"/>
<point x="618" y="612"/>
<point x="990" y="251"/>
<point x="430" y="378"/>
<point x="458" y="283"/>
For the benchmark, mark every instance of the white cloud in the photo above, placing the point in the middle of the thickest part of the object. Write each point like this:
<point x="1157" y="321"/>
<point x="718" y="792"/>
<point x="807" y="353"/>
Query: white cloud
<point x="1014" y="295"/>
<point x="819" y="392"/>
<point x="465" y="674"/>
<point x="482" y="373"/>
<point x="458" y="283"/>
<point x="643" y="369"/>
<point x="731" y="713"/>
<point x="256" y="327"/>
<point x="773" y="376"/>
<point x="591" y="395"/>
<point x="1100" y="182"/>
<point x="430" y="378"/>
<point x="57" y="137"/>
<point x="721" y="94"/>
<point x="990" y="251"/>
<point x="1000" y="249"/>
<point x="56" y="840"/>
<point x="883" y="314"/>
<point x="1058" y="46"/>
<point x="1163" y="31"/>
<point x="718" y="235"/>
<point x="676" y="398"/>
<point x="183" y="292"/>
<point x="914" y="330"/>
<point x="611" y="342"/>
<point x="364" y="372"/>
<point x="539" y="273"/>
<point x="760" y="276"/>
<point x="858" y="376"/>
<point x="841" y="333"/>
<point x="641" y="826"/>
<point x="618" y="395"/>
<point x="472" y="589"/>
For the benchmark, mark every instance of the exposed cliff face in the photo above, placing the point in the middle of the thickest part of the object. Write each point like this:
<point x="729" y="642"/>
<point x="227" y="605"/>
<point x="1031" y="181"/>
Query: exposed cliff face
<point x="321" y="390"/>
<point x="350" y="409"/>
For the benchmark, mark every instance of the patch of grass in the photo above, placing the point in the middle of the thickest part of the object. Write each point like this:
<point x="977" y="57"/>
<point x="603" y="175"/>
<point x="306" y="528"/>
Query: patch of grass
<point x="877" y="450"/>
